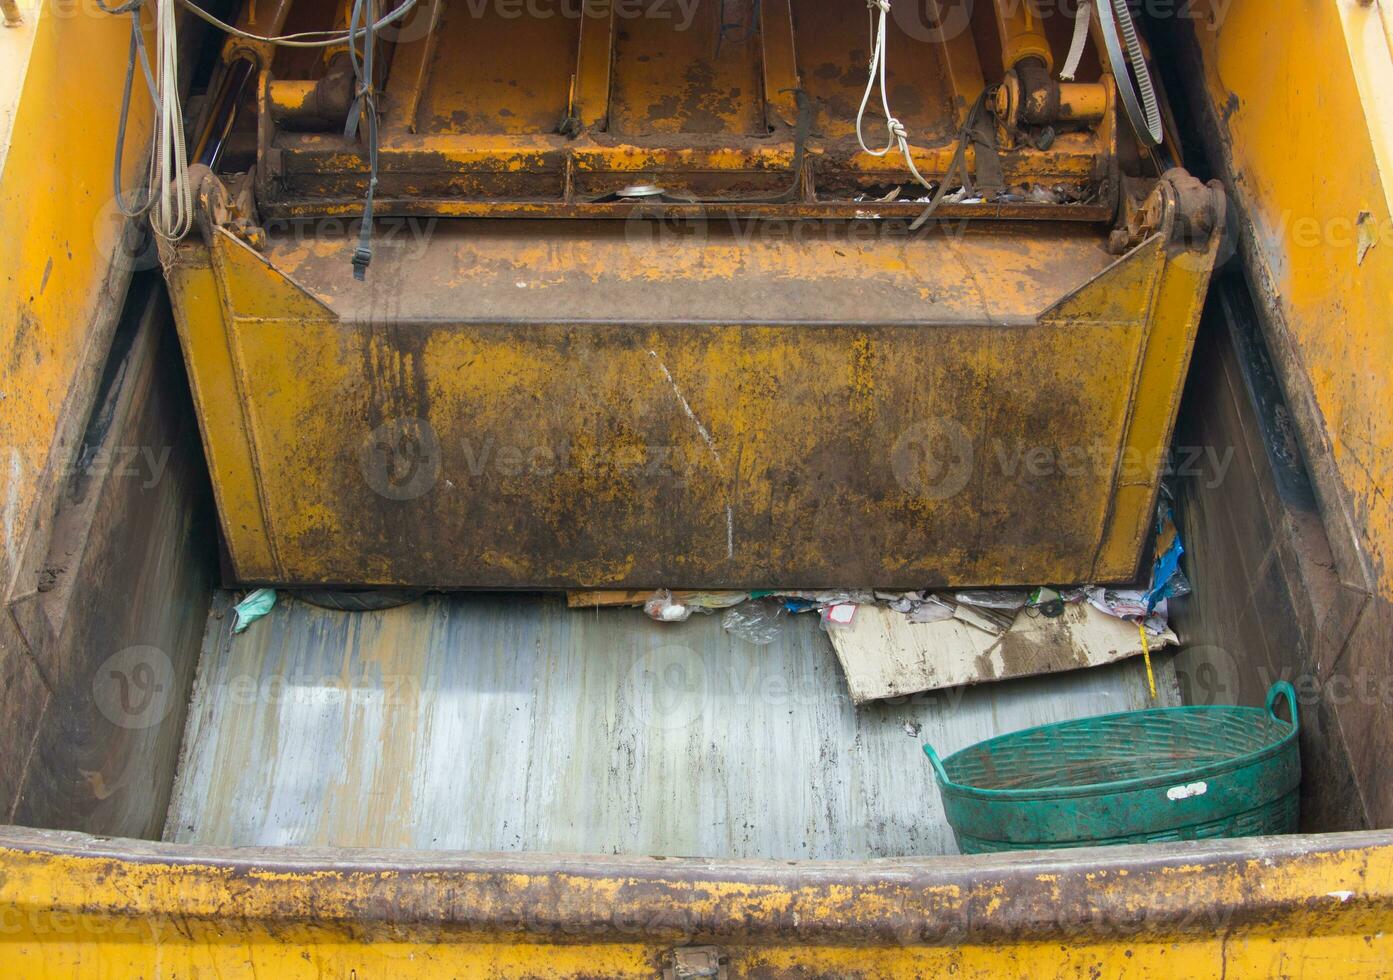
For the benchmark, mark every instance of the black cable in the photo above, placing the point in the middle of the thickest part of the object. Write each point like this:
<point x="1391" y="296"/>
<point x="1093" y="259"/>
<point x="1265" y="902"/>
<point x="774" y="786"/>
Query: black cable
<point x="958" y="165"/>
<point x="364" y="108"/>
<point x="136" y="53"/>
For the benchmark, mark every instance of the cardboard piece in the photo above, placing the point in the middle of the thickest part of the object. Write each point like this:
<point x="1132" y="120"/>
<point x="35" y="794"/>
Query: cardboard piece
<point x="884" y="655"/>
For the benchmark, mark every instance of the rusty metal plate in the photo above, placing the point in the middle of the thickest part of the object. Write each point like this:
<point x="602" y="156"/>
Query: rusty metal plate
<point x="563" y="404"/>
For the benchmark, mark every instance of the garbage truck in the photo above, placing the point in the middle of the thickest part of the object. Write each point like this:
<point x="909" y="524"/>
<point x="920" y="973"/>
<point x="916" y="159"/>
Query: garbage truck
<point x="513" y="487"/>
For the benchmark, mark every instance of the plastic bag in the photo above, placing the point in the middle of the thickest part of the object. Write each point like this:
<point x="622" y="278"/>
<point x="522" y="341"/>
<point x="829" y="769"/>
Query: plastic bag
<point x="838" y="616"/>
<point x="665" y="609"/>
<point x="758" y="622"/>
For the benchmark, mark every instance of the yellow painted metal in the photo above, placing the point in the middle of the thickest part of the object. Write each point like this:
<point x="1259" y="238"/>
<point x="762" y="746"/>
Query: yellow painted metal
<point x="594" y="62"/>
<point x="194" y="293"/>
<point x="778" y="380"/>
<point x="780" y="61"/>
<point x="1311" y="175"/>
<point x="1289" y="907"/>
<point x="1022" y="32"/>
<point x="1315" y="176"/>
<point x="1083" y="100"/>
<point x="64" y="272"/>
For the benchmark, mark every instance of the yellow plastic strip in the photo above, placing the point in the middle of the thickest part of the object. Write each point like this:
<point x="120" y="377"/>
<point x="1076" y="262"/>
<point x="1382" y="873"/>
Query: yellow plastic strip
<point x="1146" y="657"/>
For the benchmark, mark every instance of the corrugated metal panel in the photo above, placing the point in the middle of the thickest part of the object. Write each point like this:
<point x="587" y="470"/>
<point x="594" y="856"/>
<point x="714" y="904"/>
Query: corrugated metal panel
<point x="497" y="722"/>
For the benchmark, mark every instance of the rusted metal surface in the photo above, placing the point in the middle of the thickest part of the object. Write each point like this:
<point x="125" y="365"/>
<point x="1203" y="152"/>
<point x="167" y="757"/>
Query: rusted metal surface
<point x="113" y="612"/>
<point x="698" y="98"/>
<point x="505" y="723"/>
<point x="705" y="405"/>
<point x="1256" y="907"/>
<point x="1320" y="286"/>
<point x="782" y="452"/>
<point x="503" y="173"/>
<point x="425" y="208"/>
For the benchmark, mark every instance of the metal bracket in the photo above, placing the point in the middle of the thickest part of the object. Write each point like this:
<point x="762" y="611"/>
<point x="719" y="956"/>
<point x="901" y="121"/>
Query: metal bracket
<point x="691" y="962"/>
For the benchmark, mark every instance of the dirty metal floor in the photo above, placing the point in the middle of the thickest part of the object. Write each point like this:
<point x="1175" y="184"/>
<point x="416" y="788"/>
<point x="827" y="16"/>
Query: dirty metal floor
<point x="506" y="722"/>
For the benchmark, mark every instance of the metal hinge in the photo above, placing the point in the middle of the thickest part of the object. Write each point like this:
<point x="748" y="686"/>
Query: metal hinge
<point x="692" y="962"/>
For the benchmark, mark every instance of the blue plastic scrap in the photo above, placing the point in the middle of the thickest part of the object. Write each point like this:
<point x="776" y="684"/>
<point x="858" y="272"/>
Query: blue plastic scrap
<point x="1167" y="579"/>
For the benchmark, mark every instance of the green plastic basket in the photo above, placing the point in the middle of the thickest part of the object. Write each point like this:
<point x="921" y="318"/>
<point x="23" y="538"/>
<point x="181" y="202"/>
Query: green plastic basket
<point x="1161" y="774"/>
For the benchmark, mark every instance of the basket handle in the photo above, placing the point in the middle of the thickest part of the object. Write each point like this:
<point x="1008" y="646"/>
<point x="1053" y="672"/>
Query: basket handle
<point x="1283" y="689"/>
<point x="937" y="764"/>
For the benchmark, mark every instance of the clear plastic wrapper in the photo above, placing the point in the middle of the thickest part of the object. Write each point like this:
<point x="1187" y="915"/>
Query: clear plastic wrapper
<point x="662" y="607"/>
<point x="758" y="622"/>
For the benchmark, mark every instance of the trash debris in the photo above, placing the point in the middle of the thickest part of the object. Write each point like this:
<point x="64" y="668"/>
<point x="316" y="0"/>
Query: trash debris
<point x="1122" y="603"/>
<point x="893" y="642"/>
<point x="589" y="599"/>
<point x="831" y="597"/>
<point x="665" y="609"/>
<point x="1009" y="599"/>
<point x="993" y="610"/>
<point x="1167" y="580"/>
<point x="838" y="616"/>
<point x="931" y="610"/>
<point x="885" y="655"/>
<point x="994" y="621"/>
<point x="1047" y="601"/>
<point x="899" y="601"/>
<point x="758" y="622"/>
<point x="1149" y="606"/>
<point x="257" y="603"/>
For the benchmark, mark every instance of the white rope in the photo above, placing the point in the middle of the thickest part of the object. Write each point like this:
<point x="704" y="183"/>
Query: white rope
<point x="169" y="198"/>
<point x="172" y="213"/>
<point x="1076" y="47"/>
<point x="879" y="11"/>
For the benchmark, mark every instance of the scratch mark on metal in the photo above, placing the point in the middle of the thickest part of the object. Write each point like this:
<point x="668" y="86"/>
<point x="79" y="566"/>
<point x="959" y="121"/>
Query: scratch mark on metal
<point x="710" y="444"/>
<point x="686" y="407"/>
<point x="11" y="514"/>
